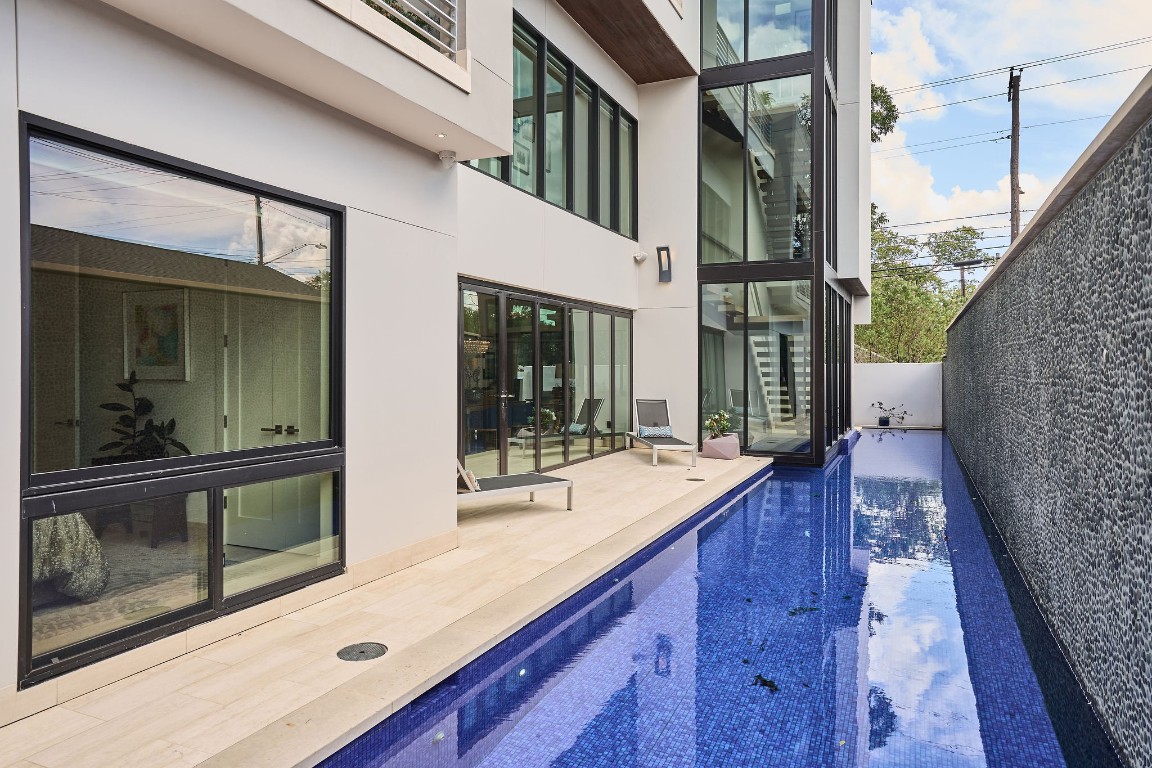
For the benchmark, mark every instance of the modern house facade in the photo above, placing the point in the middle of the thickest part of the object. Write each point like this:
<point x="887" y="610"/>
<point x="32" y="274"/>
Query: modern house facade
<point x="274" y="265"/>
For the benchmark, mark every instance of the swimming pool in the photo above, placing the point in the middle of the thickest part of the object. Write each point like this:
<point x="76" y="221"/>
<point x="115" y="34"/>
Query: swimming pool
<point x="849" y="616"/>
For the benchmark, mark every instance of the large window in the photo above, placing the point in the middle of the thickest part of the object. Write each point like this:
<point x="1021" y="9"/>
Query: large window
<point x="735" y="31"/>
<point x="179" y="329"/>
<point x="521" y="411"/>
<point x="756" y="172"/>
<point x="755" y="361"/>
<point x="588" y="148"/>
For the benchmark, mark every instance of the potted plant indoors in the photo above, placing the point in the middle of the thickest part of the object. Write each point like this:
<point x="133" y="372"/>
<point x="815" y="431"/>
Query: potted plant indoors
<point x="721" y="444"/>
<point x="140" y="436"/>
<point x="887" y="414"/>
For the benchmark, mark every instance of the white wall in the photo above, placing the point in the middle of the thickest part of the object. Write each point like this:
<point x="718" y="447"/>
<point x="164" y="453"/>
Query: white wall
<point x="667" y="333"/>
<point x="915" y="385"/>
<point x="89" y="66"/>
<point x="10" y="343"/>
<point x="854" y="115"/>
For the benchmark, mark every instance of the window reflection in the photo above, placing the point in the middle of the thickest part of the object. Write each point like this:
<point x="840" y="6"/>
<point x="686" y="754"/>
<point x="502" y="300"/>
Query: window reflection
<point x="767" y="28"/>
<point x="109" y="568"/>
<point x="279" y="529"/>
<point x="169" y="315"/>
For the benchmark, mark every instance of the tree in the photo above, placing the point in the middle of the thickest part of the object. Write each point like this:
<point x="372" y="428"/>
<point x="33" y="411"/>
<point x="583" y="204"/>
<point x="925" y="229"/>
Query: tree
<point x="911" y="304"/>
<point x="884" y="113"/>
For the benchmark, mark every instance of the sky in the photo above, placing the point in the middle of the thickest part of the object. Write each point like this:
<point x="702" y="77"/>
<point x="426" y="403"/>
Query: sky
<point x="921" y="174"/>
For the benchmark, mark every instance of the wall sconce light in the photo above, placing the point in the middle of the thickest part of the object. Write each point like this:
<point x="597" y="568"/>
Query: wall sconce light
<point x="664" y="261"/>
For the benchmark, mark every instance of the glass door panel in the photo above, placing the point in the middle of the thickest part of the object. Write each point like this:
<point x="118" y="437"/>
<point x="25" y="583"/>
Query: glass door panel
<point x="580" y="380"/>
<point x="602" y="382"/>
<point x="622" y="367"/>
<point x="779" y="401"/>
<point x="554" y="416"/>
<point x="519" y="395"/>
<point x="480" y="389"/>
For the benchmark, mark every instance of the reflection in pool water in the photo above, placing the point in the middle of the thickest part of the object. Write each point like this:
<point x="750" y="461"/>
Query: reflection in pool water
<point x="849" y="616"/>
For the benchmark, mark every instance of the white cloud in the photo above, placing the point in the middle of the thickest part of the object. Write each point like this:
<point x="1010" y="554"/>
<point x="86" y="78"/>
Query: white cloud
<point x="904" y="188"/>
<point x="904" y="56"/>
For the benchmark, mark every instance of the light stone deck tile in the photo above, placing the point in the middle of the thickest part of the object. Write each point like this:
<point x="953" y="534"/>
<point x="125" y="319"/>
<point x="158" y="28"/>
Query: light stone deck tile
<point x="114" y="700"/>
<point x="245" y="715"/>
<point x="251" y="642"/>
<point x="120" y="741"/>
<point x="26" y="737"/>
<point x="247" y="679"/>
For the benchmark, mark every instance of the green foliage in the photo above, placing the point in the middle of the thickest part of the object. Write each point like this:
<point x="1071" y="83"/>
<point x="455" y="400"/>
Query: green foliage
<point x="137" y="441"/>
<point x="884" y="113"/>
<point x="718" y="425"/>
<point x="911" y="304"/>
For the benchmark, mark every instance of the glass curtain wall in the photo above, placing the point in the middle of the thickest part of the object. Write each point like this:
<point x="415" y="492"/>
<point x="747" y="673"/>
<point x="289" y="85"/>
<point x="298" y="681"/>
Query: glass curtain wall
<point x="755" y="358"/>
<point x="536" y="395"/>
<point x="768" y="225"/>
<point x="201" y="331"/>
<point x="838" y="362"/>
<point x="735" y="31"/>
<point x="756" y="173"/>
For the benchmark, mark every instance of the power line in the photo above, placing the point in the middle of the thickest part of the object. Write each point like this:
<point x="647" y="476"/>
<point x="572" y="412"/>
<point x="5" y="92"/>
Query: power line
<point x="957" y="218"/>
<point x="977" y="135"/>
<point x="1032" y="88"/>
<point x="1036" y="63"/>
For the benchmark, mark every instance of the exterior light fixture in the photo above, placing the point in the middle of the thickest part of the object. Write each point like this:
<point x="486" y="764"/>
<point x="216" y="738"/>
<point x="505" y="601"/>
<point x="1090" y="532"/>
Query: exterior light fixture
<point x="664" y="262"/>
<point x="447" y="158"/>
<point x="441" y="135"/>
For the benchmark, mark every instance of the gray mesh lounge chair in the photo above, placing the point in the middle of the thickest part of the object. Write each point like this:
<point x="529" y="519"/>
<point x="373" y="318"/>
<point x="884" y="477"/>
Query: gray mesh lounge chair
<point x="504" y="485"/>
<point x="654" y="413"/>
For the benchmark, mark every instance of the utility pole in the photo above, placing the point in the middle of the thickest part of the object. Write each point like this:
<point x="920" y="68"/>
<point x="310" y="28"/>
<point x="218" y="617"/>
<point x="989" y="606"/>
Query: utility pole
<point x="963" y="265"/>
<point x="1014" y="181"/>
<point x="259" y="231"/>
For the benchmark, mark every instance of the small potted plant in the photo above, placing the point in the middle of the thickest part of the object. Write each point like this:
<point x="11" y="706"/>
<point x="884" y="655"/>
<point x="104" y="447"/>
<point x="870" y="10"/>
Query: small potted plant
<point x="887" y="414"/>
<point x="721" y="444"/>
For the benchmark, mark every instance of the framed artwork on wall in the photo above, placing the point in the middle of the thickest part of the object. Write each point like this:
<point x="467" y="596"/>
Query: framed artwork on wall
<point x="156" y="334"/>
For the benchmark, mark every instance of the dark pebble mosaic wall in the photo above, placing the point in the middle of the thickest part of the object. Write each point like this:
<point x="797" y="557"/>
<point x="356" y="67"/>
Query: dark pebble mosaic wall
<point x="1048" y="402"/>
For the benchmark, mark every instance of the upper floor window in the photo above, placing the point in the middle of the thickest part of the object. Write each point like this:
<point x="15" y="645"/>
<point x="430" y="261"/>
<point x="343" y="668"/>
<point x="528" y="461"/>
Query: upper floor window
<point x="572" y="145"/>
<point x="756" y="172"/>
<point x="735" y="31"/>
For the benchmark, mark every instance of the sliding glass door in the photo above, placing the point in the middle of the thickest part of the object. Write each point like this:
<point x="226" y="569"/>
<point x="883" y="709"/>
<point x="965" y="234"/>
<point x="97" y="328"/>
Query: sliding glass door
<point x="543" y="382"/>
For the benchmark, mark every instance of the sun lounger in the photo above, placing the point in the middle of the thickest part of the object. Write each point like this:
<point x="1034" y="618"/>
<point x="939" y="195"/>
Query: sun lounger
<point x="504" y="485"/>
<point x="654" y="413"/>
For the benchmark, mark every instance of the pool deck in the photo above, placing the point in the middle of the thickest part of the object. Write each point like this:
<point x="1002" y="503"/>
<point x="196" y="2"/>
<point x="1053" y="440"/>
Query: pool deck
<point x="276" y="695"/>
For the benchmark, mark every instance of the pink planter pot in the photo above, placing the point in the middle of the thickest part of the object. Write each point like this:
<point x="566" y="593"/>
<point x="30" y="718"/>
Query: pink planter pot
<point x="727" y="447"/>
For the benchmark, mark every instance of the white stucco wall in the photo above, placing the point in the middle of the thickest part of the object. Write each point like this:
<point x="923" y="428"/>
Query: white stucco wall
<point x="915" y="385"/>
<point x="10" y="322"/>
<point x="667" y="333"/>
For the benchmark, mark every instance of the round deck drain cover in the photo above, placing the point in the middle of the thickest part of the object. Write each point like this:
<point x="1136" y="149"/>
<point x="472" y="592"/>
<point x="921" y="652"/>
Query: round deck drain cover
<point x="362" y="651"/>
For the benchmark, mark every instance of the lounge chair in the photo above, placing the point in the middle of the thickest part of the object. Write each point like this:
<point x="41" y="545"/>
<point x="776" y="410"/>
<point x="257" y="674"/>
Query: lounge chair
<point x="654" y="413"/>
<point x="504" y="485"/>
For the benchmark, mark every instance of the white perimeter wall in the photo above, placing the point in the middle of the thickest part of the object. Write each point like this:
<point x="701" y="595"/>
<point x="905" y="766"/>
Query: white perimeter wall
<point x="916" y="385"/>
<point x="86" y="65"/>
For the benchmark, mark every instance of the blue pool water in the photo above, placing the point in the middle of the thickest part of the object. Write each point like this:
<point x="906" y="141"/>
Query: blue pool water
<point x="859" y="615"/>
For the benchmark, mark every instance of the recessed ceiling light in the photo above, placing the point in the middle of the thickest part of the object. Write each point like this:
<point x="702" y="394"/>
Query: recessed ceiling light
<point x="441" y="135"/>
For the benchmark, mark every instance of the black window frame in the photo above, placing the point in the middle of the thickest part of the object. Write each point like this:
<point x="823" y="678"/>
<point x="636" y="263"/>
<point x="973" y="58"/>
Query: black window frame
<point x="819" y="268"/>
<point x="50" y="494"/>
<point x="566" y="305"/>
<point x="546" y="51"/>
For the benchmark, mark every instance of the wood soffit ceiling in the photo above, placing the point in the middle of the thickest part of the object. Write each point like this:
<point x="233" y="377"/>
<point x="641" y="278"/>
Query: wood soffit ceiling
<point x="631" y="35"/>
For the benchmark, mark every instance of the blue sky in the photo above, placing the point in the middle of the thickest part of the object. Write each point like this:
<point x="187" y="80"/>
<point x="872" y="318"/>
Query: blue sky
<point x="930" y="40"/>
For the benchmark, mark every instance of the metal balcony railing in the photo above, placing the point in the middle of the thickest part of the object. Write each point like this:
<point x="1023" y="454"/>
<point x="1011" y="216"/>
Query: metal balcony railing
<point x="432" y="21"/>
